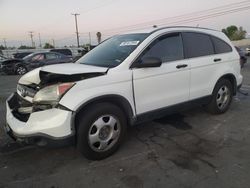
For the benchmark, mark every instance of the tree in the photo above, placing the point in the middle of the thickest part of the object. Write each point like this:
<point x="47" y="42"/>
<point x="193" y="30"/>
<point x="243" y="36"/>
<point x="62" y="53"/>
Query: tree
<point x="25" y="47"/>
<point x="48" y="45"/>
<point x="2" y="47"/>
<point x="99" y="37"/>
<point x="235" y="33"/>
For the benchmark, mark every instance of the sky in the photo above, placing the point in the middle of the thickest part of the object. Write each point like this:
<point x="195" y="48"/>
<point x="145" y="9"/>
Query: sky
<point x="53" y="19"/>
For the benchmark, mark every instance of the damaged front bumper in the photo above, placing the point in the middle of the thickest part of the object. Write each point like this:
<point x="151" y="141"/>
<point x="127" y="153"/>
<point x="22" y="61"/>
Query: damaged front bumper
<point x="44" y="128"/>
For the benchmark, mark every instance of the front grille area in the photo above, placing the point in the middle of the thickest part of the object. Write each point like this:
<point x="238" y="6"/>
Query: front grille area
<point x="21" y="117"/>
<point x="16" y="102"/>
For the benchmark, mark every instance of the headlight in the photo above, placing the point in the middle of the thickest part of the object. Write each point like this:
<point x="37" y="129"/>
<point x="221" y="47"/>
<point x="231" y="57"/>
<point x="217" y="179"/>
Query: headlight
<point x="52" y="94"/>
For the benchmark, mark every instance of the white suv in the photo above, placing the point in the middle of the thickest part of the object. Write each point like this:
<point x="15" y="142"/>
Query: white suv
<point x="127" y="79"/>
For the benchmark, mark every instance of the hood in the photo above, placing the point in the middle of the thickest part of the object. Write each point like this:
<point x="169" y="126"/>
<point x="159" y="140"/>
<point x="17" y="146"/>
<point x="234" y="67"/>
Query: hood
<point x="10" y="61"/>
<point x="31" y="77"/>
<point x="73" y="68"/>
<point x="67" y="72"/>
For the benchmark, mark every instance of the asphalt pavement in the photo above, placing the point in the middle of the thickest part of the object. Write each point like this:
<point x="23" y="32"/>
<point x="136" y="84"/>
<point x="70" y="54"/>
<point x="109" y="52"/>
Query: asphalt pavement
<point x="188" y="149"/>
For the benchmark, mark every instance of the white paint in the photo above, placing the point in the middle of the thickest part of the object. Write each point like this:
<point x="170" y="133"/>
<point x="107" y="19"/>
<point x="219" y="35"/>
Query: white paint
<point x="154" y="88"/>
<point x="73" y="68"/>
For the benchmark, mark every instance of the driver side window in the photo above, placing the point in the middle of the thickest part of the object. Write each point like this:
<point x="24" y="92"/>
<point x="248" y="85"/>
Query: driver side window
<point x="38" y="57"/>
<point x="167" y="48"/>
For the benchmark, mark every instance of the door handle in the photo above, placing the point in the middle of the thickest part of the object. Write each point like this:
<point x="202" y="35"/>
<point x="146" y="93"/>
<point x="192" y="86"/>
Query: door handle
<point x="181" y="66"/>
<point x="216" y="60"/>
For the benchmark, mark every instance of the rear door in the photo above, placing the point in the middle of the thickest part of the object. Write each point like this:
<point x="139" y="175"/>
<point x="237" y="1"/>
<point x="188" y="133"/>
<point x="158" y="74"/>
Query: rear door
<point x="53" y="58"/>
<point x="206" y="56"/>
<point x="159" y="87"/>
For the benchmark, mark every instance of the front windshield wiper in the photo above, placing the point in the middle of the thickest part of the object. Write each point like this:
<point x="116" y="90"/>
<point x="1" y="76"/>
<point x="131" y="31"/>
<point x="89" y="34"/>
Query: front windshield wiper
<point x="98" y="65"/>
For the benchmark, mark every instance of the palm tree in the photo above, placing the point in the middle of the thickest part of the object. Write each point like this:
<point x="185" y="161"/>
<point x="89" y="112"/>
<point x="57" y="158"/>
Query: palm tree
<point x="99" y="37"/>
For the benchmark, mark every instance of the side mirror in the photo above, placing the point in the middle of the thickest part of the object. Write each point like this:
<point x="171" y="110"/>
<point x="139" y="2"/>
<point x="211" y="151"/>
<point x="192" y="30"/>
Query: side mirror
<point x="149" y="62"/>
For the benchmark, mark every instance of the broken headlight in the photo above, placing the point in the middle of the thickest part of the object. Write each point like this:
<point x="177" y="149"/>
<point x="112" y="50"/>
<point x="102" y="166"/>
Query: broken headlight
<point x="52" y="94"/>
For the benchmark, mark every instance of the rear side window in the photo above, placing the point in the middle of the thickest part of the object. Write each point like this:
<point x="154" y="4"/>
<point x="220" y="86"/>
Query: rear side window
<point x="51" y="56"/>
<point x="62" y="51"/>
<point x="167" y="48"/>
<point x="197" y="45"/>
<point x="220" y="46"/>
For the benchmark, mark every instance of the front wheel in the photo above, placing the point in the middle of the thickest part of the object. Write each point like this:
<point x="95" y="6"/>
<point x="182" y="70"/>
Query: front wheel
<point x="21" y="70"/>
<point x="221" y="98"/>
<point x="101" y="129"/>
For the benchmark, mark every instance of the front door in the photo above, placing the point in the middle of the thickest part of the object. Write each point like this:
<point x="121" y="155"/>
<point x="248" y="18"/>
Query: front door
<point x="163" y="86"/>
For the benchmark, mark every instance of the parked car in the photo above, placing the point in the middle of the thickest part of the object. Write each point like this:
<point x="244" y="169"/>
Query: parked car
<point x="64" y="51"/>
<point x="243" y="58"/>
<point x="2" y="58"/>
<point x="21" y="55"/>
<point x="80" y="54"/>
<point x="32" y="61"/>
<point x="127" y="79"/>
<point x="248" y="51"/>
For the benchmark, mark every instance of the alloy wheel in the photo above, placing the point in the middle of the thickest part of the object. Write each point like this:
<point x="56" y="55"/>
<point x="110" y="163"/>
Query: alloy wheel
<point x="21" y="70"/>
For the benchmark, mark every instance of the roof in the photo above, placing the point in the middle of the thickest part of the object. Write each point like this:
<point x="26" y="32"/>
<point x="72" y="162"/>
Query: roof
<point x="152" y="30"/>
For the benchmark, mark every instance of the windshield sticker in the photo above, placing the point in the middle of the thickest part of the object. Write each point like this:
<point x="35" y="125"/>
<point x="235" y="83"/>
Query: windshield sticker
<point x="130" y="43"/>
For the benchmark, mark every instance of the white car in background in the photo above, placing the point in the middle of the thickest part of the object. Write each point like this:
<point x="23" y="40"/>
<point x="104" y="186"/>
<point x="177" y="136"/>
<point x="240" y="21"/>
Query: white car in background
<point x="248" y="51"/>
<point x="127" y="79"/>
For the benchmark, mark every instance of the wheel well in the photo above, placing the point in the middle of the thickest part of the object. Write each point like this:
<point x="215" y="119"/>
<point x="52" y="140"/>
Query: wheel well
<point x="232" y="79"/>
<point x="117" y="100"/>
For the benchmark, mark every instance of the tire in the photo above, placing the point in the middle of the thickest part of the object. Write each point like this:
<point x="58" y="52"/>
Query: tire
<point x="101" y="130"/>
<point x="21" y="70"/>
<point x="221" y="98"/>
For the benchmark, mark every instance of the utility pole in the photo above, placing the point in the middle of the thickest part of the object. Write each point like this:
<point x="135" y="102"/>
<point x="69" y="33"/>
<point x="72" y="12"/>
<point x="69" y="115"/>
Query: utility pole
<point x="89" y="39"/>
<point x="31" y="37"/>
<point x="5" y="45"/>
<point x="77" y="33"/>
<point x="40" y="43"/>
<point x="53" y="42"/>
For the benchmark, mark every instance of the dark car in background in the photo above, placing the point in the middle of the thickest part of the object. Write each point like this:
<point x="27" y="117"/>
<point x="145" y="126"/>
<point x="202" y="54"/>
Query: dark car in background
<point x="2" y="58"/>
<point x="21" y="55"/>
<point x="81" y="53"/>
<point x="243" y="58"/>
<point x="64" y="51"/>
<point x="32" y="61"/>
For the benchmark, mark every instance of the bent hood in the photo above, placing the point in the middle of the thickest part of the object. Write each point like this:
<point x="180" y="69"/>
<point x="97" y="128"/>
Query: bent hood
<point x="72" y="68"/>
<point x="61" y="73"/>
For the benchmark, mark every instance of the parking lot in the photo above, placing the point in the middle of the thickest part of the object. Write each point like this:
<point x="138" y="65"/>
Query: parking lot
<point x="189" y="149"/>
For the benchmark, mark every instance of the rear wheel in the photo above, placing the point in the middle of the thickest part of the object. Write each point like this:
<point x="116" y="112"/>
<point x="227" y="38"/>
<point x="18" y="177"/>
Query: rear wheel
<point x="21" y="70"/>
<point x="101" y="129"/>
<point x="222" y="97"/>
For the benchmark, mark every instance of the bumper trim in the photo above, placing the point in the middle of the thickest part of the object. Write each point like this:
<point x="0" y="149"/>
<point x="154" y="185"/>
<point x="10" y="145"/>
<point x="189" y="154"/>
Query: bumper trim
<point x="40" y="139"/>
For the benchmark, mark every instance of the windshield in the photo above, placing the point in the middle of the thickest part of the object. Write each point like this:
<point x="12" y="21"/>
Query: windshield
<point x="113" y="51"/>
<point x="27" y="57"/>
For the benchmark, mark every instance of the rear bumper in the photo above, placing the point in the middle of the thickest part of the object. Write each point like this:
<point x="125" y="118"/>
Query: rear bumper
<point x="43" y="128"/>
<point x="239" y="86"/>
<point x="239" y="80"/>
